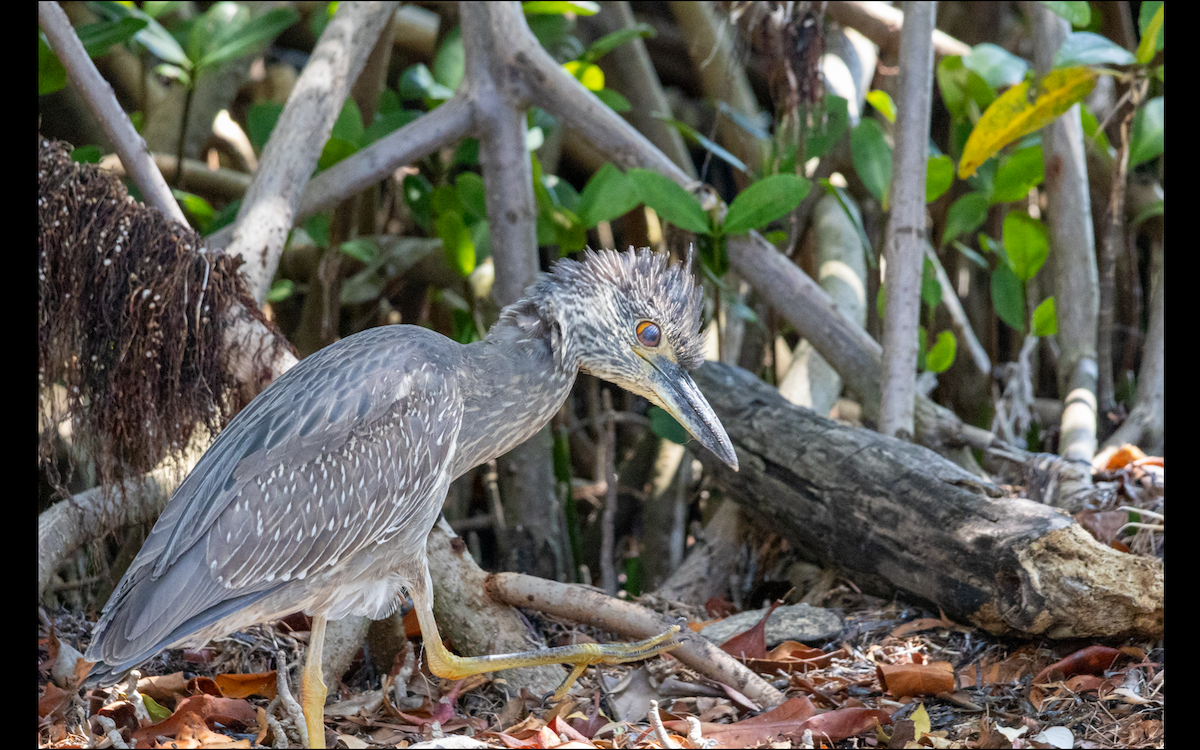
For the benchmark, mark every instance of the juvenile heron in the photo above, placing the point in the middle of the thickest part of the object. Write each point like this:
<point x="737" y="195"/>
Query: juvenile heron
<point x="320" y="494"/>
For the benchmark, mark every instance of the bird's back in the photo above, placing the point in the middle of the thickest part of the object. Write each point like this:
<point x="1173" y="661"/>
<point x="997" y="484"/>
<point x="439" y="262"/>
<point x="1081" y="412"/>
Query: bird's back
<point x="341" y="453"/>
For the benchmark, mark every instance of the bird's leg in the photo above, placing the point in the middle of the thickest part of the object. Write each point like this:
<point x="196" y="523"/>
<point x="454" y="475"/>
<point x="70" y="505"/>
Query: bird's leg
<point x="581" y="655"/>
<point x="312" y="690"/>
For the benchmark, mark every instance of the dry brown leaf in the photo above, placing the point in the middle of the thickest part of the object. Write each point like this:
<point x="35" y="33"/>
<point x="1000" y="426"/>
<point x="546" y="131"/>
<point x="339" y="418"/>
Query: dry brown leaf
<point x="1090" y="660"/>
<point x="246" y="685"/>
<point x="902" y="680"/>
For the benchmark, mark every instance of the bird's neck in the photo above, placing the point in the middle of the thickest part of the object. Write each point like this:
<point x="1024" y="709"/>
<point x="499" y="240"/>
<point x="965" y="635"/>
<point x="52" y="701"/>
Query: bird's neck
<point x="513" y="382"/>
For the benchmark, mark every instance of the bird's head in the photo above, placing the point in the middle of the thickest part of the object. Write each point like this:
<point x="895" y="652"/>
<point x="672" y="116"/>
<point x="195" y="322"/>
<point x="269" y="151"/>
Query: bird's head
<point x="632" y="319"/>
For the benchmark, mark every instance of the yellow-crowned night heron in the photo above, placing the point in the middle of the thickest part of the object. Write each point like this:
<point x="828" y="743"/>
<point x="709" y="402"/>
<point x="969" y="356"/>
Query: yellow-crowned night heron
<point x="320" y="494"/>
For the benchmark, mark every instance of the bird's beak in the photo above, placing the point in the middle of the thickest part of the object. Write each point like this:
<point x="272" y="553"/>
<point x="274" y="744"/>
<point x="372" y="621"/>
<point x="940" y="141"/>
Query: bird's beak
<point x="675" y="391"/>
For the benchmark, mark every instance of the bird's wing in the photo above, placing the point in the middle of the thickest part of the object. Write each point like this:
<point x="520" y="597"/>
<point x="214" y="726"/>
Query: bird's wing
<point x="337" y="454"/>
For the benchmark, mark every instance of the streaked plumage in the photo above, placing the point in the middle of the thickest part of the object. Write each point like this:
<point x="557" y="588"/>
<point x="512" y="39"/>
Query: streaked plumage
<point x="319" y="495"/>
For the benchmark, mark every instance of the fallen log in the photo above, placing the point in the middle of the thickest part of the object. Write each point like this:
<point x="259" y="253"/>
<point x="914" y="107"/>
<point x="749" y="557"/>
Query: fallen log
<point x="897" y="516"/>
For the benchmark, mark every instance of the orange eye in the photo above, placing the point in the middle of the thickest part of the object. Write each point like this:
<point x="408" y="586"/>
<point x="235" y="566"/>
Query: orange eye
<point x="649" y="334"/>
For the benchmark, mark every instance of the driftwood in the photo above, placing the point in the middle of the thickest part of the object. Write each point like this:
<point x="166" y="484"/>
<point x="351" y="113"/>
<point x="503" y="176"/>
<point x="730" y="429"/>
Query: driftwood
<point x="897" y="516"/>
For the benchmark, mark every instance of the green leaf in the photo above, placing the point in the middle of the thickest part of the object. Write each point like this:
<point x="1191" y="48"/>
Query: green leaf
<point x="1020" y="172"/>
<point x="89" y="155"/>
<point x="872" y="158"/>
<point x="671" y="202"/>
<point x="964" y="91"/>
<point x="1045" y="319"/>
<point x="450" y="64"/>
<point x="882" y="101"/>
<point x="965" y="215"/>
<point x="589" y="74"/>
<point x="714" y="253"/>
<point x="1146" y="140"/>
<point x="97" y="38"/>
<point x="1091" y="126"/>
<point x="1008" y="297"/>
<point x="471" y="195"/>
<point x="389" y="101"/>
<point x="828" y="128"/>
<point x="260" y="122"/>
<point x="1026" y="243"/>
<point x="52" y="76"/>
<point x="416" y="82"/>
<point x="765" y="201"/>
<point x="1076" y="13"/>
<point x="1086" y="48"/>
<point x="334" y="151"/>
<point x="1150" y="23"/>
<point x="941" y="355"/>
<point x="251" y="38"/>
<point x="995" y="65"/>
<point x="281" y="290"/>
<point x="931" y="290"/>
<point x="198" y="210"/>
<point x="349" y="125"/>
<point x="609" y="42"/>
<point x="1154" y="209"/>
<point x="317" y="227"/>
<point x="550" y="8"/>
<point x="691" y="134"/>
<point x="751" y="124"/>
<point x="386" y="124"/>
<point x="614" y="100"/>
<point x="939" y="176"/>
<point x="418" y="195"/>
<point x="157" y="712"/>
<point x="456" y="242"/>
<point x="154" y="37"/>
<point x="361" y="249"/>
<point x="467" y="153"/>
<point x="609" y="193"/>
<point x="665" y="426"/>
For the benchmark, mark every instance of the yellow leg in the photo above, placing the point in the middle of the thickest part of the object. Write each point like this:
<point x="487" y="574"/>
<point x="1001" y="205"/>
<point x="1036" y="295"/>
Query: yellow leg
<point x="449" y="666"/>
<point x="312" y="696"/>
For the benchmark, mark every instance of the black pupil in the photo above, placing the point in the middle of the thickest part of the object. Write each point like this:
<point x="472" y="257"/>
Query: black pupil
<point x="649" y="334"/>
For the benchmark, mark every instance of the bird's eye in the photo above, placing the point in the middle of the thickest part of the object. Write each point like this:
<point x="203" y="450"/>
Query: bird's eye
<point x="649" y="334"/>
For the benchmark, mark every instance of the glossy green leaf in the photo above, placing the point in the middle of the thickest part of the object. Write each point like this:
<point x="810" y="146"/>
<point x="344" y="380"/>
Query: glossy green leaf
<point x="450" y="63"/>
<point x="830" y="124"/>
<point x="87" y="155"/>
<point x="349" y="125"/>
<point x="154" y="37"/>
<point x="386" y="124"/>
<point x="1008" y="297"/>
<point x="260" y="122"/>
<point x="552" y="8"/>
<point x="1150" y="23"/>
<point x="281" y="290"/>
<point x="872" y="157"/>
<point x="456" y="242"/>
<point x="671" y="202"/>
<point x="418" y="195"/>
<point x="615" y="101"/>
<point x="995" y="65"/>
<point x="1086" y="48"/>
<point x="1091" y="126"/>
<point x="964" y="91"/>
<point x="609" y="194"/>
<point x="417" y="82"/>
<point x="471" y="195"/>
<point x="1026" y="244"/>
<point x="941" y="355"/>
<point x="1045" y="319"/>
<point x="198" y="210"/>
<point x="1076" y="13"/>
<point x="1146" y="140"/>
<point x="882" y="102"/>
<point x="252" y="37"/>
<point x="691" y="134"/>
<point x="52" y="76"/>
<point x="1018" y="173"/>
<point x="939" y="176"/>
<point x="97" y="38"/>
<point x="611" y="41"/>
<point x="361" y="249"/>
<point x="334" y="151"/>
<point x="971" y="255"/>
<point x="965" y="215"/>
<point x="931" y="290"/>
<point x="765" y="201"/>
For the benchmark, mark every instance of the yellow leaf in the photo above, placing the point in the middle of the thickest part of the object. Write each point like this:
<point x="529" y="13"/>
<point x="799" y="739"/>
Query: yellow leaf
<point x="1149" y="43"/>
<point x="586" y="73"/>
<point x="920" y="720"/>
<point x="1022" y="110"/>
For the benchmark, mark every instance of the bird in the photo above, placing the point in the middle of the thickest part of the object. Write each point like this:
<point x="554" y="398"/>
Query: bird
<point x="320" y="494"/>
